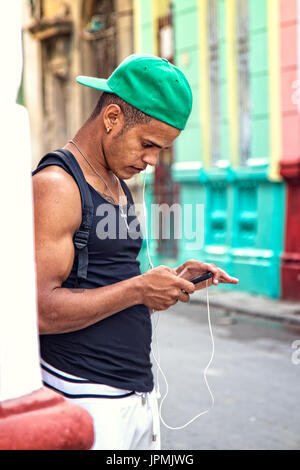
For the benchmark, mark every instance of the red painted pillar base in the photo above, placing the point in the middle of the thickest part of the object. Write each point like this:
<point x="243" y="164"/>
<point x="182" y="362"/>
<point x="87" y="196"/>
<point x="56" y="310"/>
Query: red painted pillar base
<point x="44" y="420"/>
<point x="290" y="271"/>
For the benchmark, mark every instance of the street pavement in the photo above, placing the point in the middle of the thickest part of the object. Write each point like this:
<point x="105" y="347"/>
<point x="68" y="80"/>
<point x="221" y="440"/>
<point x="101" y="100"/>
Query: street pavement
<point x="254" y="377"/>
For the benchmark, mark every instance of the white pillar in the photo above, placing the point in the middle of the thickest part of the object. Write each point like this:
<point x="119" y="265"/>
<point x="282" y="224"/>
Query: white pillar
<point x="19" y="353"/>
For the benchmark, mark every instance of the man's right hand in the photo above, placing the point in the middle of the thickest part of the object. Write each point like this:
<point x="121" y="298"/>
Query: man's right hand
<point x="161" y="288"/>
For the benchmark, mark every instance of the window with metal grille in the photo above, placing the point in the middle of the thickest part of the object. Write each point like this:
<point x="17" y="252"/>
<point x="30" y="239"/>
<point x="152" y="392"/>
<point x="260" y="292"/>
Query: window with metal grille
<point x="243" y="80"/>
<point x="213" y="60"/>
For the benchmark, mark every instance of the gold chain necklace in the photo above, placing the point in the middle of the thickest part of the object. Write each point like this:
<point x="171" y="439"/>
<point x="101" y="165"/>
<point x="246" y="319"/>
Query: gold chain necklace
<point x="123" y="214"/>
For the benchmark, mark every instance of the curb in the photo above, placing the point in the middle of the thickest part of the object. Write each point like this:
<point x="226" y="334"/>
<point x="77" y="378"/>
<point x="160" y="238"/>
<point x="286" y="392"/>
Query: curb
<point x="250" y="304"/>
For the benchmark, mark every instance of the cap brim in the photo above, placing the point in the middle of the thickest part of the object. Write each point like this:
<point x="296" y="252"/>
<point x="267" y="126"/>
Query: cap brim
<point x="93" y="82"/>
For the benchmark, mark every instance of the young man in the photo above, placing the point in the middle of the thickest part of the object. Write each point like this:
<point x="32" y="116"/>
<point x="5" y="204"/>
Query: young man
<point x="95" y="340"/>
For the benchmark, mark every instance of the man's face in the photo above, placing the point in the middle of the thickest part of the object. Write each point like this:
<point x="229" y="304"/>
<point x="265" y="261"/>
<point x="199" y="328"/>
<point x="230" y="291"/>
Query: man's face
<point x="131" y="151"/>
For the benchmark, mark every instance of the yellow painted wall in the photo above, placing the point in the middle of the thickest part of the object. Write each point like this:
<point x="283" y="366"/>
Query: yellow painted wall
<point x="274" y="88"/>
<point x="231" y="60"/>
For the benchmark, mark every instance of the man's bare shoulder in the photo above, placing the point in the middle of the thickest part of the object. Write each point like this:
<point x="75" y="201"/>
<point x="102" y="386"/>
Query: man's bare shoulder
<point x="54" y="187"/>
<point x="54" y="174"/>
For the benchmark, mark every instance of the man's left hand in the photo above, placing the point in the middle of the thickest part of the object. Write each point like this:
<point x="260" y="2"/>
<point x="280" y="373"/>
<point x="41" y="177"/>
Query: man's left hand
<point x="193" y="268"/>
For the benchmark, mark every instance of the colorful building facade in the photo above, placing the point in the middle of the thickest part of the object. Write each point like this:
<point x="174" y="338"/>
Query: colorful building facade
<point x="239" y="154"/>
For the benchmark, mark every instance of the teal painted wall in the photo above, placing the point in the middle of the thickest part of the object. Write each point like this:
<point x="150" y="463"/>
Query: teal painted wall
<point x="188" y="146"/>
<point x="146" y="25"/>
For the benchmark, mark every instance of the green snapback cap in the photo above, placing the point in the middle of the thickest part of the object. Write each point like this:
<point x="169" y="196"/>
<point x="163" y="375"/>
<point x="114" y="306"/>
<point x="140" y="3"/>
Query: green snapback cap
<point x="151" y="84"/>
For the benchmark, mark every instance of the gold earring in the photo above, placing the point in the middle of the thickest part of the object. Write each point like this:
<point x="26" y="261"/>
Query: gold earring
<point x="107" y="129"/>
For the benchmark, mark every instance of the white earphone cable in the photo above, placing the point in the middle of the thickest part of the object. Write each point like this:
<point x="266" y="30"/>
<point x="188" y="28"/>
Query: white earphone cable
<point x="204" y="374"/>
<point x="151" y="267"/>
<point x="157" y="359"/>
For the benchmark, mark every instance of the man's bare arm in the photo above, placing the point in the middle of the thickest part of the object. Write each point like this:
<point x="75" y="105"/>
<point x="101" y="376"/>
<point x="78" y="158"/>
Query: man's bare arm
<point x="57" y="213"/>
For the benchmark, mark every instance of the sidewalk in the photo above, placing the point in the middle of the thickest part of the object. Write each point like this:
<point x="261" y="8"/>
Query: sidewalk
<point x="242" y="302"/>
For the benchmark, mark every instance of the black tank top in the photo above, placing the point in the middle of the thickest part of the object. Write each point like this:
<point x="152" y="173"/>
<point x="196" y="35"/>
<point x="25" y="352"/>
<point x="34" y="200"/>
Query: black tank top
<point x="116" y="350"/>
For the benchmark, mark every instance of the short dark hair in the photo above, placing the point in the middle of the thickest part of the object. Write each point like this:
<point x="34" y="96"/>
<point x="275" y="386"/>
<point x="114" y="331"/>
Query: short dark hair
<point x="132" y="115"/>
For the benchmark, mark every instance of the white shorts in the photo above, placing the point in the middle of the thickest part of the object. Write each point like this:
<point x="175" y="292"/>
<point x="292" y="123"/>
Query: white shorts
<point x="123" y="420"/>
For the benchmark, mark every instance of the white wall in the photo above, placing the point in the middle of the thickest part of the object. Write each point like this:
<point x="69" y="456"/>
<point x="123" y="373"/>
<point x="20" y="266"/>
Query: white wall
<point x="19" y="355"/>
